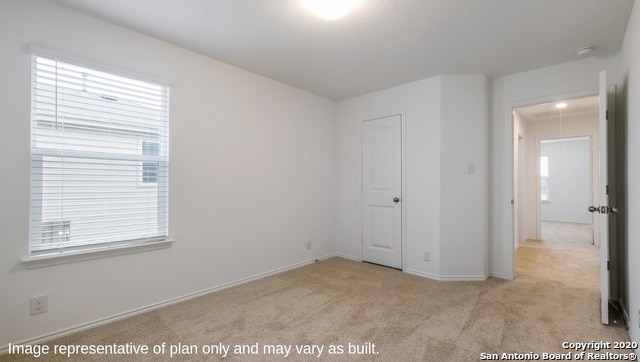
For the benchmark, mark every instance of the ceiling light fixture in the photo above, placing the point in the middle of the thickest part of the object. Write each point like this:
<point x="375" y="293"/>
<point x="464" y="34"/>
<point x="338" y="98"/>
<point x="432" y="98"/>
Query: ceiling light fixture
<point x="584" y="51"/>
<point x="561" y="105"/>
<point x="331" y="9"/>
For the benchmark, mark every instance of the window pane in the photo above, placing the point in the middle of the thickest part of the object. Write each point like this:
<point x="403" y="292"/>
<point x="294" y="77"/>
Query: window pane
<point x="99" y="157"/>
<point x="150" y="169"/>
<point x="544" y="178"/>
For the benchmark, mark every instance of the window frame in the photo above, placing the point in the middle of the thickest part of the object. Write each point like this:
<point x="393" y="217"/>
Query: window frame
<point x="42" y="256"/>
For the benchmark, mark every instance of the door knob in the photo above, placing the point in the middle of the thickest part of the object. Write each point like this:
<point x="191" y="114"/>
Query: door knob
<point x="396" y="200"/>
<point x="604" y="209"/>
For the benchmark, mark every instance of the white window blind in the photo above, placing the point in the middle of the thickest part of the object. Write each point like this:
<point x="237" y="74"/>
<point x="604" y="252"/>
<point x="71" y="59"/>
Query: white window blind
<point x="99" y="159"/>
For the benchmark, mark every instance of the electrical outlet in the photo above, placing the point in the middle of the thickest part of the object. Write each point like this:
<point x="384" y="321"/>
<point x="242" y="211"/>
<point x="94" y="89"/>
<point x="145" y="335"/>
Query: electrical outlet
<point x="39" y="304"/>
<point x="427" y="256"/>
<point x="309" y="245"/>
<point x="471" y="167"/>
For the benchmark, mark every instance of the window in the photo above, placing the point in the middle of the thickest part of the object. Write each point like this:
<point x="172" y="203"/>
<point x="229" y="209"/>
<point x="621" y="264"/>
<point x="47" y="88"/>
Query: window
<point x="544" y="178"/>
<point x="99" y="159"/>
<point x="55" y="231"/>
<point x="150" y="169"/>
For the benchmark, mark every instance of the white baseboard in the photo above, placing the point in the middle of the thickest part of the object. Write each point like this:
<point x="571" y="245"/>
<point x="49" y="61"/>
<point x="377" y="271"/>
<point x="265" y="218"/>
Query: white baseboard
<point x="634" y="338"/>
<point x="426" y="275"/>
<point x="345" y="256"/>
<point x="480" y="278"/>
<point x="499" y="275"/>
<point x="328" y="256"/>
<point x="630" y="329"/>
<point x="151" y="307"/>
<point x="422" y="274"/>
<point x="447" y="278"/>
<point x="625" y="314"/>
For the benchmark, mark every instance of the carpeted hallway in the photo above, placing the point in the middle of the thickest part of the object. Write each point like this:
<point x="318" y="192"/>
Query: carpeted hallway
<point x="369" y="312"/>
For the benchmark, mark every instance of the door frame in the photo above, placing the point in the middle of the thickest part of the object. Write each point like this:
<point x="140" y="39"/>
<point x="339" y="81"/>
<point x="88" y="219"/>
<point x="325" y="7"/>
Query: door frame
<point x="403" y="181"/>
<point x="508" y="220"/>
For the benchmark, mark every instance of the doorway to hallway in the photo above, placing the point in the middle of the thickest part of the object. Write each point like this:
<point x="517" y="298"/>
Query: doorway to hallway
<point x="608" y="146"/>
<point x="556" y="175"/>
<point x="555" y="165"/>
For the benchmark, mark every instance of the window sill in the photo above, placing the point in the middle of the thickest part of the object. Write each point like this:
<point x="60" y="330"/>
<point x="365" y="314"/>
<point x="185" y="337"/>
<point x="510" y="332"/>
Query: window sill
<point x="54" y="258"/>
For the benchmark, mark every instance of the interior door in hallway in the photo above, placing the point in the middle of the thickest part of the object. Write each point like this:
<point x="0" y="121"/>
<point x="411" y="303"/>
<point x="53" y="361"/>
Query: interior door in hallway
<point x="604" y="208"/>
<point x="381" y="142"/>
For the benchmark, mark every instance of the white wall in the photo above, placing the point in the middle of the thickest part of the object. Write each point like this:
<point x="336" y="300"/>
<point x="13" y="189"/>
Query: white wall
<point x="441" y="139"/>
<point x="252" y="176"/>
<point x="463" y="207"/>
<point x="570" y="180"/>
<point x="631" y="110"/>
<point x="568" y="80"/>
<point x="420" y="103"/>
<point x="253" y="171"/>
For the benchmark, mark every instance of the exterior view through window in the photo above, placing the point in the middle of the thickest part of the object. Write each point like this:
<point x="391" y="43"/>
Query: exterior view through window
<point x="99" y="158"/>
<point x="544" y="178"/>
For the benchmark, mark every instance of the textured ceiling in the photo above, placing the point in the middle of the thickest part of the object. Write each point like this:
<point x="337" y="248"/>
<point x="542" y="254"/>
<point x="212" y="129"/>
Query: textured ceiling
<point x="382" y="43"/>
<point x="586" y="108"/>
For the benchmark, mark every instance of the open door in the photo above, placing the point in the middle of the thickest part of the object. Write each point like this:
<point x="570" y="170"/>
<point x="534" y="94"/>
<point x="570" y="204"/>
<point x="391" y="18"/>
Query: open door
<point x="604" y="209"/>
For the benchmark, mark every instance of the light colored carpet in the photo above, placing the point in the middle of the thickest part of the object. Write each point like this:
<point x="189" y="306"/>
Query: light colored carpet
<point x="554" y="299"/>
<point x="566" y="232"/>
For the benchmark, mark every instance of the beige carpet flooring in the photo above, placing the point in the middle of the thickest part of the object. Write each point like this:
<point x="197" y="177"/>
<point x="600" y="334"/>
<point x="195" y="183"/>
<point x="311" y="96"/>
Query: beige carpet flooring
<point x="554" y="233"/>
<point x="337" y="302"/>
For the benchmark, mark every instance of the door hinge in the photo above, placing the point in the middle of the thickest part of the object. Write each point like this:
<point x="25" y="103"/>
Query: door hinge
<point x="608" y="265"/>
<point x="607" y="189"/>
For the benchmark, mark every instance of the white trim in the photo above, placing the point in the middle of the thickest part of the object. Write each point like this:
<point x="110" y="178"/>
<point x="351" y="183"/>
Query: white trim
<point x="508" y="197"/>
<point x="90" y="253"/>
<point x="448" y="278"/>
<point x="633" y="338"/>
<point x="422" y="274"/>
<point x="403" y="182"/>
<point x="625" y="314"/>
<point x="499" y="275"/>
<point x="142" y="226"/>
<point x="627" y="323"/>
<point x="349" y="257"/>
<point x="151" y="307"/>
<point x="507" y="176"/>
<point x="538" y="192"/>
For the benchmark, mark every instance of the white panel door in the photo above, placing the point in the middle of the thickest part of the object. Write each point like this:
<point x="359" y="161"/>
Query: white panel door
<point x="382" y="191"/>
